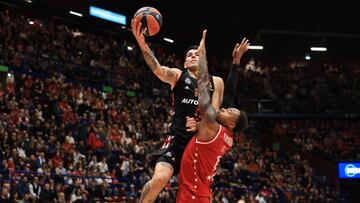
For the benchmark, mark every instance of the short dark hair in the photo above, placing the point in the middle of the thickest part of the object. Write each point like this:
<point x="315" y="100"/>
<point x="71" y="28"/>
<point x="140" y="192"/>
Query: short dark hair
<point x="241" y="122"/>
<point x="190" y="48"/>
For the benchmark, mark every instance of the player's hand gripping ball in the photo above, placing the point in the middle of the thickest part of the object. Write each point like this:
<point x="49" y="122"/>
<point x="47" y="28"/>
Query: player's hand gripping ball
<point x="150" y="19"/>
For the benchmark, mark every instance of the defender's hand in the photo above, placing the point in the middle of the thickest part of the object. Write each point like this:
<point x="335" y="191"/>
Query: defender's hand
<point x="239" y="50"/>
<point x="202" y="48"/>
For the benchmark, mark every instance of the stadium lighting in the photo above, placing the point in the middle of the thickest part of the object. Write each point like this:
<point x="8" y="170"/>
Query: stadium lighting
<point x="31" y="22"/>
<point x="168" y="40"/>
<point x="256" y="47"/>
<point x="107" y="15"/>
<point x="318" y="49"/>
<point x="76" y="13"/>
<point x="129" y="48"/>
<point x="307" y="57"/>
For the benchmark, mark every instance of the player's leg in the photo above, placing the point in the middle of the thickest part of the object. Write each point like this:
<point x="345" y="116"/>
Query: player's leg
<point x="162" y="175"/>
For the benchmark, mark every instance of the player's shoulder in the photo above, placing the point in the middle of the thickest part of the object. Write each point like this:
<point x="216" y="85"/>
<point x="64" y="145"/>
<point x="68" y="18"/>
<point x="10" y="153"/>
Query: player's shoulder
<point x="178" y="71"/>
<point x="218" y="81"/>
<point x="173" y="73"/>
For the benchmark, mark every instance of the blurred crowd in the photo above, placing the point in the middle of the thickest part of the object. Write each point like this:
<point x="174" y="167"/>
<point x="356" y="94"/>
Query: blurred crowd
<point x="52" y="130"/>
<point x="62" y="139"/>
<point x="265" y="175"/>
<point x="303" y="87"/>
<point x="316" y="136"/>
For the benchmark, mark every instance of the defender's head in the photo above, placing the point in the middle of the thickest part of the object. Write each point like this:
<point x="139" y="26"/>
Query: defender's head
<point x="233" y="119"/>
<point x="192" y="58"/>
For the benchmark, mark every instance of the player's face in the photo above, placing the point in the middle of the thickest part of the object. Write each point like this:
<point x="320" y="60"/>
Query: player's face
<point x="192" y="59"/>
<point x="227" y="117"/>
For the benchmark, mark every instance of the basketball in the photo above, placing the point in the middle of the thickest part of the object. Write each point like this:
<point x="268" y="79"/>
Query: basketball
<point x="150" y="18"/>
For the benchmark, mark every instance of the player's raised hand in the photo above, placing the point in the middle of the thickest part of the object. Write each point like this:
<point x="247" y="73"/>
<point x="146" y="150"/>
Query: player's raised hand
<point x="202" y="48"/>
<point x="137" y="32"/>
<point x="239" y="50"/>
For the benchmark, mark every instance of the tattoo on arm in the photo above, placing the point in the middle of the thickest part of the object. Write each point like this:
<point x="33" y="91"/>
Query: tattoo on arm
<point x="150" y="59"/>
<point x="165" y="74"/>
<point x="206" y="109"/>
<point x="170" y="74"/>
<point x="203" y="75"/>
<point x="204" y="98"/>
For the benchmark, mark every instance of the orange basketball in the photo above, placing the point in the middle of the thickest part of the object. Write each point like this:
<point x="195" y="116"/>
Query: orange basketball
<point x="150" y="18"/>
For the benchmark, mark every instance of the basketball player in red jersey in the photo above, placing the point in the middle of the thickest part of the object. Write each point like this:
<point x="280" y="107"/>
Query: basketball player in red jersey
<point x="213" y="140"/>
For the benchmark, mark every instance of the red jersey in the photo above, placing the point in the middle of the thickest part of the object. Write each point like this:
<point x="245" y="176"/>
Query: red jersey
<point x="198" y="166"/>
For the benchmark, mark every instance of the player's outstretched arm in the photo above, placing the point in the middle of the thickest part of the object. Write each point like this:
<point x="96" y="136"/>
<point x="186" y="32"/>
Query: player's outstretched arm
<point x="209" y="126"/>
<point x="165" y="74"/>
<point x="232" y="79"/>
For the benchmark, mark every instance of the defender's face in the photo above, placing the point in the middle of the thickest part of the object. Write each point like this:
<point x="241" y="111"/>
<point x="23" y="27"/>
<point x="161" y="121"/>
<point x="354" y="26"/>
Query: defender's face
<point x="192" y="59"/>
<point x="227" y="117"/>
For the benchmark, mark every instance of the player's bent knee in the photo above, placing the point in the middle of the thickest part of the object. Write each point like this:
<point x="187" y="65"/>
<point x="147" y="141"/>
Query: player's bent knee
<point x="160" y="181"/>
